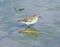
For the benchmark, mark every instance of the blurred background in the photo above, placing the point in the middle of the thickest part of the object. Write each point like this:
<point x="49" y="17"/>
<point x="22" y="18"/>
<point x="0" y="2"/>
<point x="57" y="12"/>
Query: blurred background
<point x="48" y="25"/>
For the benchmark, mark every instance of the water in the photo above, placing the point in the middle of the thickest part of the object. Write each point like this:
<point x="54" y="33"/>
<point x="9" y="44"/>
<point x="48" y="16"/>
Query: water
<point x="48" y="25"/>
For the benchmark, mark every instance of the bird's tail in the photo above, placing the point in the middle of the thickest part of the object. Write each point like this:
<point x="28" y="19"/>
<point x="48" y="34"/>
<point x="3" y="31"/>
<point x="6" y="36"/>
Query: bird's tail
<point x="21" y="21"/>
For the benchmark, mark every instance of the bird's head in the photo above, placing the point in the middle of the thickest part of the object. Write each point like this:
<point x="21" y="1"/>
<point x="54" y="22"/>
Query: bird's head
<point x="36" y="15"/>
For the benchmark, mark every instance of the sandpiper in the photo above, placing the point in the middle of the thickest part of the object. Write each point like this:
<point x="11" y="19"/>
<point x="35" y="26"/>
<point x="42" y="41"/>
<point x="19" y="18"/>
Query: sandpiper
<point x="30" y="20"/>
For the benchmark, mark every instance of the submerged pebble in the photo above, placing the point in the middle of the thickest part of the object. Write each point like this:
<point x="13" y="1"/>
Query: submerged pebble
<point x="21" y="9"/>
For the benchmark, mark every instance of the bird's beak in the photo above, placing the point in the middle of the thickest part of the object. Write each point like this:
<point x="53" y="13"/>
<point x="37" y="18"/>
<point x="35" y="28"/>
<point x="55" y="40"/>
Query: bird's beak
<point x="40" y="17"/>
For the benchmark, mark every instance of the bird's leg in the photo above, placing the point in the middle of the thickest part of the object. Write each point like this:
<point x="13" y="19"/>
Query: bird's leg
<point x="29" y="26"/>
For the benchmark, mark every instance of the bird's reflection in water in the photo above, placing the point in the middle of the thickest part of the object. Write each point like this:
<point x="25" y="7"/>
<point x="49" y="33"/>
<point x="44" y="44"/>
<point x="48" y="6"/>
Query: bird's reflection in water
<point x="29" y="31"/>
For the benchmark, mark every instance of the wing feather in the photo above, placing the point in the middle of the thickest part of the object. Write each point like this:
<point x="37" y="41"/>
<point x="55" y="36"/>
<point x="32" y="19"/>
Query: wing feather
<point x="26" y="20"/>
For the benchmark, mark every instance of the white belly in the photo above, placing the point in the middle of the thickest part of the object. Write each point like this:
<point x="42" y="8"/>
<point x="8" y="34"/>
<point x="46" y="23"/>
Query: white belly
<point x="32" y="22"/>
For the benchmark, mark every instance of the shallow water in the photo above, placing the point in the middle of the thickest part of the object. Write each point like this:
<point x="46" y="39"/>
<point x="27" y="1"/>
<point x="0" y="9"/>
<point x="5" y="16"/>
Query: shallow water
<point x="48" y="27"/>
